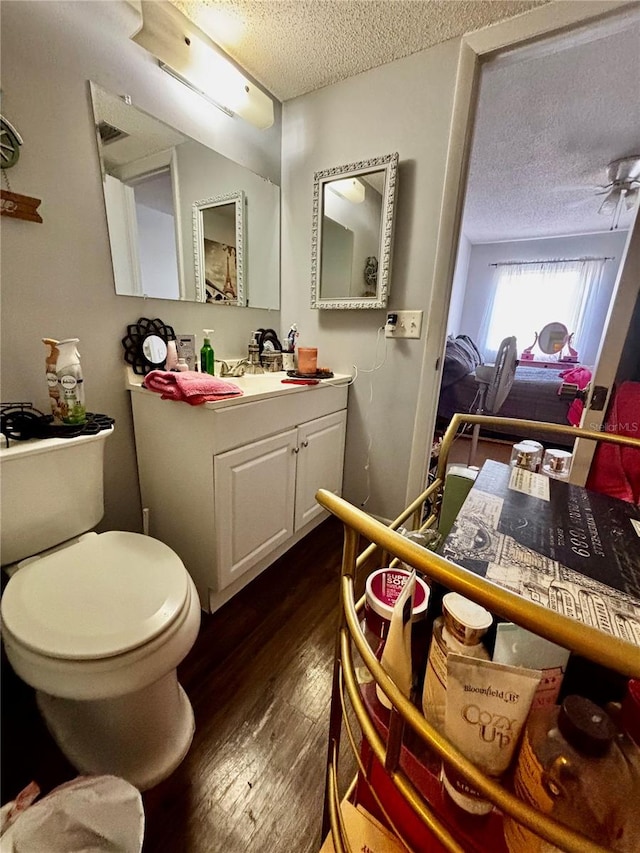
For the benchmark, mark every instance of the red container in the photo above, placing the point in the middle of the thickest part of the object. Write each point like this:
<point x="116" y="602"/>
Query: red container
<point x="382" y="591"/>
<point x="474" y="834"/>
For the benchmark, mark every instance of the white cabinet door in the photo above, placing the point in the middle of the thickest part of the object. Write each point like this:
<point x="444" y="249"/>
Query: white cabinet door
<point x="320" y="463"/>
<point x="254" y="502"/>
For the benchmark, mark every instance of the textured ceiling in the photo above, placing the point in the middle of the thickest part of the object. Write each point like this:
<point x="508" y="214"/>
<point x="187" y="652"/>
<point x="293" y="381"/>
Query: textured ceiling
<point x="549" y="120"/>
<point x="293" y="47"/>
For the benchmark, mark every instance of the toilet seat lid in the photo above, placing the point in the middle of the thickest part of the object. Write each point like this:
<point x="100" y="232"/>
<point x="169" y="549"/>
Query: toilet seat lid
<point x="105" y="595"/>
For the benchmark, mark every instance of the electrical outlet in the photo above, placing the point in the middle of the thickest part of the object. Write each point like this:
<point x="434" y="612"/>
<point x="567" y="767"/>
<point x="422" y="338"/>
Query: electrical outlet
<point x="408" y="325"/>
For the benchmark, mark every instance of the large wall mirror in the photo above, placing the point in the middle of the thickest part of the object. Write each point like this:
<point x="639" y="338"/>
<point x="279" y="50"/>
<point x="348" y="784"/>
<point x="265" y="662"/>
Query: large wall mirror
<point x="176" y="208"/>
<point x="353" y="217"/>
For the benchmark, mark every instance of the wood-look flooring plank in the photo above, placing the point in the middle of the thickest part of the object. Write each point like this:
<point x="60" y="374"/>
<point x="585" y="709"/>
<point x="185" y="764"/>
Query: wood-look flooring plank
<point x="262" y="704"/>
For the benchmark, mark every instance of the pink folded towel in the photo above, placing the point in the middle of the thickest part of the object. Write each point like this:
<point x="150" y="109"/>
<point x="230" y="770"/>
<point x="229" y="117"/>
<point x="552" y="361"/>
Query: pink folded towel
<point x="190" y="387"/>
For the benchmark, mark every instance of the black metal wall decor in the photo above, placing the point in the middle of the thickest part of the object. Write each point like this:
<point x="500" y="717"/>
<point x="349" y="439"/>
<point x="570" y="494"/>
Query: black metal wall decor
<point x="145" y="345"/>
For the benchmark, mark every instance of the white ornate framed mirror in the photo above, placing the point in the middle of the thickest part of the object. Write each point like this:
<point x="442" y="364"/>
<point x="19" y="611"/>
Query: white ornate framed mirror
<point x="352" y="233"/>
<point x="218" y="248"/>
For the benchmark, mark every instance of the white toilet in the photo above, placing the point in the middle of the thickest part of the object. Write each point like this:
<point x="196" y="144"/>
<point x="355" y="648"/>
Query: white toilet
<point x="98" y="623"/>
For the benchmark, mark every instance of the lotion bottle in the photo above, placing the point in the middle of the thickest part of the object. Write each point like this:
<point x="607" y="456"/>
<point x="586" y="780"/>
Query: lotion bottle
<point x="207" y="357"/>
<point x="396" y="655"/>
<point x="70" y="383"/>
<point x="50" y="363"/>
<point x="460" y="629"/>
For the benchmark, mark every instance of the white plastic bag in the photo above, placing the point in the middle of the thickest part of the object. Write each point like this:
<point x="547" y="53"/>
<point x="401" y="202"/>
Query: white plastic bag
<point x="90" y="814"/>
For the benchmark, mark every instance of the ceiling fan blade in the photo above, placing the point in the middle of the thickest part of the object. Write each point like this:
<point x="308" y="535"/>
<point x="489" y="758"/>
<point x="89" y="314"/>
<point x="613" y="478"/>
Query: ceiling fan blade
<point x="576" y="203"/>
<point x="631" y="198"/>
<point x="609" y="205"/>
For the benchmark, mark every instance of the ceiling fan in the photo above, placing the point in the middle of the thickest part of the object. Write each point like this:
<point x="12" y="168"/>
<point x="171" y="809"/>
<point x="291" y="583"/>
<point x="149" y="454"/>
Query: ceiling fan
<point x="623" y="188"/>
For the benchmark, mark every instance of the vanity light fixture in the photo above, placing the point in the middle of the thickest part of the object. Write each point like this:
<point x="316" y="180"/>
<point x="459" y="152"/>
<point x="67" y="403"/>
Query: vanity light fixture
<point x="189" y="55"/>
<point x="350" y="189"/>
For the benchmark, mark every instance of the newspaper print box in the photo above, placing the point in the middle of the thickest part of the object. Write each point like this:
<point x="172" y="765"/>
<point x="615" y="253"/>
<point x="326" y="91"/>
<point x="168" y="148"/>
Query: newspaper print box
<point x="569" y="549"/>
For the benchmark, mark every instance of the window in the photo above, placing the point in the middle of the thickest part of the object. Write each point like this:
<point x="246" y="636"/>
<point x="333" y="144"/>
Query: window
<point x="527" y="296"/>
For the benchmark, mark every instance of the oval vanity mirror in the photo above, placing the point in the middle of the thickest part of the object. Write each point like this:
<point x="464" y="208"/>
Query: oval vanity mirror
<point x="154" y="349"/>
<point x="552" y="338"/>
<point x="353" y="217"/>
<point x="145" y="345"/>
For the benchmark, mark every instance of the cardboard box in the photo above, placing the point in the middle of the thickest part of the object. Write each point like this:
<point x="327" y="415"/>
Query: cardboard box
<point x="363" y="833"/>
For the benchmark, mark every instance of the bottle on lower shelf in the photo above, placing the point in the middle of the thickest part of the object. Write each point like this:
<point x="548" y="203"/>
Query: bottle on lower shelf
<point x="575" y="765"/>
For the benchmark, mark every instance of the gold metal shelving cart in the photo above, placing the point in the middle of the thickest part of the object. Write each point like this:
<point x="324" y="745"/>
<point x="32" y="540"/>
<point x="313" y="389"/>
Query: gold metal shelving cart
<point x="348" y="704"/>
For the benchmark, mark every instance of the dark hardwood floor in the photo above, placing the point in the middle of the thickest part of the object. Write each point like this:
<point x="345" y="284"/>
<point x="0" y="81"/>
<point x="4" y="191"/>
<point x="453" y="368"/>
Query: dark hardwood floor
<point x="259" y="679"/>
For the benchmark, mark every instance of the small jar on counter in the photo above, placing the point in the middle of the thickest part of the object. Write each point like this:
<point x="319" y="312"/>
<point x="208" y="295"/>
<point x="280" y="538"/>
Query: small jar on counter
<point x="557" y="464"/>
<point x="382" y="590"/>
<point x="539" y="447"/>
<point x="525" y="455"/>
<point x="307" y="360"/>
<point x="271" y="361"/>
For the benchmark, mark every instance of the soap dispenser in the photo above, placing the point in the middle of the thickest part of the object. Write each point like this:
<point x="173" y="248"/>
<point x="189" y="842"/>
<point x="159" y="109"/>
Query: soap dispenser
<point x="52" y="378"/>
<point x="254" y="365"/>
<point x="207" y="358"/>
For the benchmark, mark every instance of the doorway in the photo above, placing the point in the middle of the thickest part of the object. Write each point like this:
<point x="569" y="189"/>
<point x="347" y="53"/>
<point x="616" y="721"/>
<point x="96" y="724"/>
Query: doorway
<point x="550" y="121"/>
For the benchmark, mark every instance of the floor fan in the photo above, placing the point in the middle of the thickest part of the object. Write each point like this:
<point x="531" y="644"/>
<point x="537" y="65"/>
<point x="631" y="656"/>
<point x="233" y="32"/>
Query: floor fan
<point x="495" y="381"/>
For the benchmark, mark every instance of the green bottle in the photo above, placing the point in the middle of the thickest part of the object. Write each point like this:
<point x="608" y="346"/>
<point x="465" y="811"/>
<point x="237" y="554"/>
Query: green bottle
<point x="207" y="358"/>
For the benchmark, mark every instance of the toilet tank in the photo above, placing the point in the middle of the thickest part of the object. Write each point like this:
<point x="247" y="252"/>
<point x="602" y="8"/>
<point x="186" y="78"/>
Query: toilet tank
<point x="51" y="490"/>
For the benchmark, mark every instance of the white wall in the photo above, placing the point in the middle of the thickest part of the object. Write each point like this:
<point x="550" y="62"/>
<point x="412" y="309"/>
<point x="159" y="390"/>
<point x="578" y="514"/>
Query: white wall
<point x="480" y="275"/>
<point x="404" y="106"/>
<point x="57" y="278"/>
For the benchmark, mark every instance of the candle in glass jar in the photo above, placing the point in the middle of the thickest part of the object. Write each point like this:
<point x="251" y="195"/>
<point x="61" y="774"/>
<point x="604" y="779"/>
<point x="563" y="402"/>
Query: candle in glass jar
<point x="307" y="360"/>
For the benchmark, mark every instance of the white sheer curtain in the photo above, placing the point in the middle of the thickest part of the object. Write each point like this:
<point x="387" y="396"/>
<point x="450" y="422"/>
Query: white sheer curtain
<point x="527" y="296"/>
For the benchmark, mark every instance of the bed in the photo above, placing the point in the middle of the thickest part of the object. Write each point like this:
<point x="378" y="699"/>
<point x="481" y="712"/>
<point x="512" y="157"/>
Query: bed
<point x="534" y="394"/>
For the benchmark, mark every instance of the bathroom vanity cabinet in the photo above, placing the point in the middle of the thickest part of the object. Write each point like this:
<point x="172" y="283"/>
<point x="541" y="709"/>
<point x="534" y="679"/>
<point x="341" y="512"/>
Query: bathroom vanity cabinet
<point x="230" y="485"/>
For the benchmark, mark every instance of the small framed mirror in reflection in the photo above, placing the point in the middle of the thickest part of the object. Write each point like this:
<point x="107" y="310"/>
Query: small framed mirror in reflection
<point x="218" y="244"/>
<point x="353" y="218"/>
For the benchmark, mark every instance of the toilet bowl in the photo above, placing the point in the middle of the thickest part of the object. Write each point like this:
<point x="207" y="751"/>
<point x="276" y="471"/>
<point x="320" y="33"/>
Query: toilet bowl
<point x="98" y="629"/>
<point x="98" y="624"/>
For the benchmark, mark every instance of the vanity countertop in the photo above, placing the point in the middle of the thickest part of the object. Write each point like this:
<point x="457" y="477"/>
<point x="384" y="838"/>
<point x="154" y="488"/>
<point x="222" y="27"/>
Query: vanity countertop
<point x="259" y="386"/>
